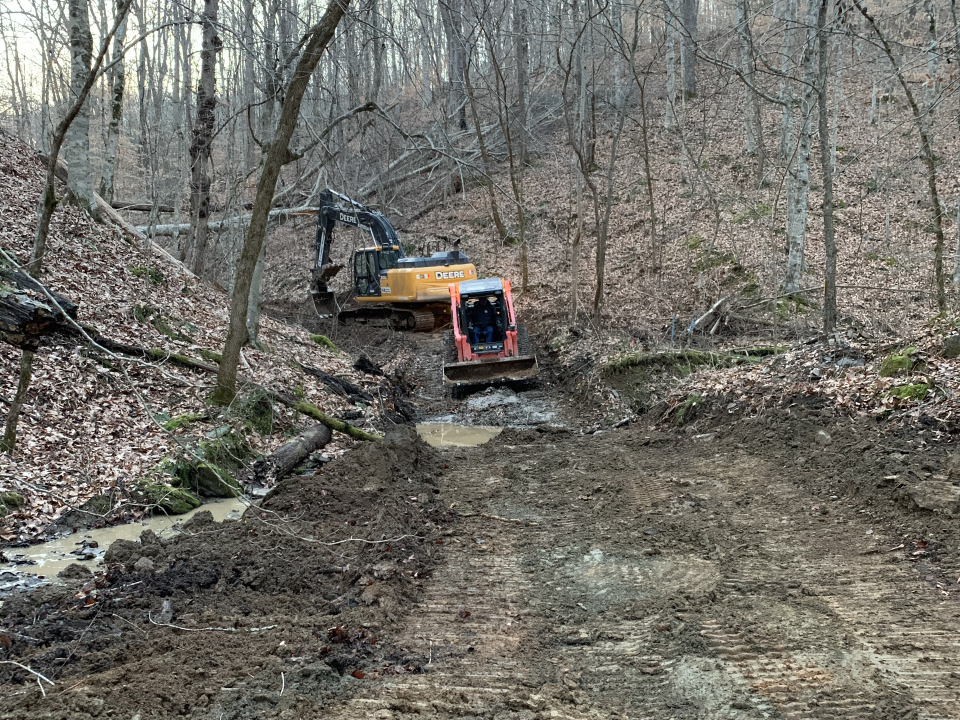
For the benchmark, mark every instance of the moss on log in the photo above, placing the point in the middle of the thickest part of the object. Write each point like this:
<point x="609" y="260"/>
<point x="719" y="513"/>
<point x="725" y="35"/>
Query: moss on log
<point x="171" y="500"/>
<point x="691" y="358"/>
<point x="313" y="411"/>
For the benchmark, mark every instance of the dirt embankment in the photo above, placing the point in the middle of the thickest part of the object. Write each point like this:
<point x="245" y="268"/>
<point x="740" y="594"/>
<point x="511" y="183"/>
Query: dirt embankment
<point x="286" y="609"/>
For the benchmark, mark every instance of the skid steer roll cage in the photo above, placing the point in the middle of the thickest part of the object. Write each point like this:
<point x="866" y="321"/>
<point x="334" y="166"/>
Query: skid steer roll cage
<point x="465" y="351"/>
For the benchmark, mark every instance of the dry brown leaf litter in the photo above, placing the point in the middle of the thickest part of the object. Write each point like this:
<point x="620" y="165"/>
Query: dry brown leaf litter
<point x="87" y="427"/>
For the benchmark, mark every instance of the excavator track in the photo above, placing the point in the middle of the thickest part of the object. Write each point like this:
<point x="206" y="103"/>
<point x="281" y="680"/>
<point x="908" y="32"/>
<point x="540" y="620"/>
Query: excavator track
<point x="425" y="320"/>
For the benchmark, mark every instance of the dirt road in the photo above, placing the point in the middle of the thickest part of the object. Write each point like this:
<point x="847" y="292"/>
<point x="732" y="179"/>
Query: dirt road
<point x="766" y="567"/>
<point x="615" y="576"/>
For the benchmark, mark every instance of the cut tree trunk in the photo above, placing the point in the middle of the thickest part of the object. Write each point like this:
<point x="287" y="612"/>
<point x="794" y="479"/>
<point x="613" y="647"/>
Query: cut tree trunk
<point x="281" y="463"/>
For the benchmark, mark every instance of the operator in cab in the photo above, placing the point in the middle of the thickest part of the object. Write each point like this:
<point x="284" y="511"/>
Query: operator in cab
<point x="482" y="317"/>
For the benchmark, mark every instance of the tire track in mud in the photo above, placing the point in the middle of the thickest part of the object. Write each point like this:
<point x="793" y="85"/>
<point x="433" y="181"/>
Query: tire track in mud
<point x="585" y="616"/>
<point x="470" y="624"/>
<point x="895" y="645"/>
<point x="510" y="654"/>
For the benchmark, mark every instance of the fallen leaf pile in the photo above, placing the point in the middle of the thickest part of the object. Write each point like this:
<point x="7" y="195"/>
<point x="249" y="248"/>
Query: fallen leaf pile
<point x="848" y="376"/>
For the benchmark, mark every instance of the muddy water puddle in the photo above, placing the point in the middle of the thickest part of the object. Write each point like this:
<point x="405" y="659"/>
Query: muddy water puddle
<point x="45" y="560"/>
<point x="439" y="434"/>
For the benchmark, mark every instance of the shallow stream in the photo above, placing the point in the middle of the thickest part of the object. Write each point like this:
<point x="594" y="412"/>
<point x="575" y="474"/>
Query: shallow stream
<point x="87" y="547"/>
<point x="439" y="434"/>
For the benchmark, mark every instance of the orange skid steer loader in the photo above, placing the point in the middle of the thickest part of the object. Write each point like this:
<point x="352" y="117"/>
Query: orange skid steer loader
<point x="486" y="345"/>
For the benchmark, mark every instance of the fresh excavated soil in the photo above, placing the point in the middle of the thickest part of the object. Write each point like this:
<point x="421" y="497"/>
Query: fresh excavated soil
<point x="285" y="609"/>
<point x="771" y="565"/>
<point x="766" y="567"/>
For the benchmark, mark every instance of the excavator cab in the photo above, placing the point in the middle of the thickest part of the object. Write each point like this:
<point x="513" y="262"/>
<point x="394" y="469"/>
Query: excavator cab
<point x="370" y="267"/>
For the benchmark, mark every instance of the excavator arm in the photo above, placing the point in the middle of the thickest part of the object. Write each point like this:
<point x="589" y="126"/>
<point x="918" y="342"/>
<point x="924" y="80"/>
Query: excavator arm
<point x="336" y="208"/>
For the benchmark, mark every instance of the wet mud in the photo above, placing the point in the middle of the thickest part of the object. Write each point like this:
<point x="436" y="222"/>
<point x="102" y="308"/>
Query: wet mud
<point x="789" y="565"/>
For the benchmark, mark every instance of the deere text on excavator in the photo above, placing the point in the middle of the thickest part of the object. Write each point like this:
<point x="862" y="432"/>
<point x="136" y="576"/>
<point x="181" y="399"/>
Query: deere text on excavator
<point x="388" y="288"/>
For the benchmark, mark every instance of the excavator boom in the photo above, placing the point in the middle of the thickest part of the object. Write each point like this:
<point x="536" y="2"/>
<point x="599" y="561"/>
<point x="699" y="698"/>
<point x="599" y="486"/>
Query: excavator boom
<point x="387" y="287"/>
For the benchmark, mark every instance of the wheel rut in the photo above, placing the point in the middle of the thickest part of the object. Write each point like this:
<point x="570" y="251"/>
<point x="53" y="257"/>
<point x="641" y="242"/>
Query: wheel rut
<point x="664" y="585"/>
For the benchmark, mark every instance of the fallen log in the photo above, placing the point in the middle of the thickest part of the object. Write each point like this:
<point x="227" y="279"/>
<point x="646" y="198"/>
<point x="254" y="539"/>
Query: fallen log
<point x="311" y="410"/>
<point x="340" y="386"/>
<point x="236" y="221"/>
<point x="284" y="459"/>
<point x="157" y="354"/>
<point x="715" y="312"/>
<point x="141" y="207"/>
<point x="26" y="312"/>
<point x="306" y="408"/>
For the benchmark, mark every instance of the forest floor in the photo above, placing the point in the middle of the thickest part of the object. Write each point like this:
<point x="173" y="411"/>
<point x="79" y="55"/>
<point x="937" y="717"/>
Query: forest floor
<point x="772" y="561"/>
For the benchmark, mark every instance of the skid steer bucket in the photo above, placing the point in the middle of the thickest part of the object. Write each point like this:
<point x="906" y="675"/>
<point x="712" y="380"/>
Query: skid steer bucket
<point x="463" y="374"/>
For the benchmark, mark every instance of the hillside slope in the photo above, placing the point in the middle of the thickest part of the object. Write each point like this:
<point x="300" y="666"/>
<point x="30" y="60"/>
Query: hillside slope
<point x="95" y="422"/>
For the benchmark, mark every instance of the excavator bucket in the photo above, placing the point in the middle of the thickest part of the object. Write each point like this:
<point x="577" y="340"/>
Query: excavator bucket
<point x="501" y="370"/>
<point x="326" y="303"/>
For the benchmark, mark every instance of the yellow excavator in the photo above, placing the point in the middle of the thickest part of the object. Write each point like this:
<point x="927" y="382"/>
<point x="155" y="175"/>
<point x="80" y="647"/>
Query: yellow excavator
<point x="388" y="288"/>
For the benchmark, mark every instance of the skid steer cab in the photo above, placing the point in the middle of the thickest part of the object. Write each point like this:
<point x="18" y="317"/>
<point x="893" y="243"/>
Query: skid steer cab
<point x="486" y="345"/>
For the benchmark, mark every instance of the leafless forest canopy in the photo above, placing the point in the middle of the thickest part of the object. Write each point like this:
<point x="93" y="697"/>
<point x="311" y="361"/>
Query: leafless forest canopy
<point x="575" y="144"/>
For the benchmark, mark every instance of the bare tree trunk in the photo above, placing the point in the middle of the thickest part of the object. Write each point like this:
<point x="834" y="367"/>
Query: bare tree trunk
<point x="277" y="155"/>
<point x="523" y="78"/>
<point x="452" y="17"/>
<point x="956" y="50"/>
<point x="670" y="117"/>
<point x="77" y="142"/>
<point x="202" y="138"/>
<point x="753" y="128"/>
<point x="931" y="88"/>
<point x="837" y="99"/>
<point x="575" y="246"/>
<point x="484" y="158"/>
<point x="826" y="171"/>
<point x="9" y="441"/>
<point x="377" y="80"/>
<point x="688" y="45"/>
<point x="48" y="199"/>
<point x="253" y="305"/>
<point x="786" y="91"/>
<point x="117" y="78"/>
<point x="249" y="80"/>
<point x="799" y="176"/>
<point x="426" y="20"/>
<point x="654" y="250"/>
<point x="926" y="153"/>
<point x="143" y="59"/>
<point x="507" y="126"/>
